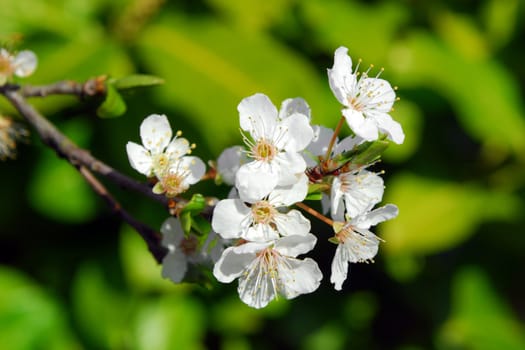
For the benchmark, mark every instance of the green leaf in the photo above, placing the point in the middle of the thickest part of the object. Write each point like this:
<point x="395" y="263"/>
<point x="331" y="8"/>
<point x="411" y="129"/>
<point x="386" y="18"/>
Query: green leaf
<point x="314" y="196"/>
<point x="113" y="105"/>
<point x="136" y="81"/>
<point x="366" y="153"/>
<point x="201" y="226"/>
<point x="29" y="316"/>
<point x="479" y="319"/>
<point x="196" y="204"/>
<point x="437" y="215"/>
<point x="168" y="322"/>
<point x="207" y="74"/>
<point x="484" y="94"/>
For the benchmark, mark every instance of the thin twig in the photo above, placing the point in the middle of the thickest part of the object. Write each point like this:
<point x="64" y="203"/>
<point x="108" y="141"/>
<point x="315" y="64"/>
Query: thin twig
<point x="86" y="163"/>
<point x="150" y="236"/>
<point x="92" y="87"/>
<point x="77" y="156"/>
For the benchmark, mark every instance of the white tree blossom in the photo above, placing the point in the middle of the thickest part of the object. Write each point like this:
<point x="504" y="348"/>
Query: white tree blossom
<point x="355" y="193"/>
<point x="158" y="150"/>
<point x="268" y="269"/>
<point x="356" y="243"/>
<point x="22" y="64"/>
<point x="367" y="100"/>
<point x="264" y="219"/>
<point x="274" y="146"/>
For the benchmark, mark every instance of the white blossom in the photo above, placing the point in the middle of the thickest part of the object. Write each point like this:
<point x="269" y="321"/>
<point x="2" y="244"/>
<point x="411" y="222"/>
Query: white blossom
<point x="268" y="269"/>
<point x="355" y="193"/>
<point x="180" y="174"/>
<point x="356" y="243"/>
<point x="22" y="64"/>
<point x="158" y="150"/>
<point x="367" y="100"/>
<point x="274" y="146"/>
<point x="264" y="219"/>
<point x="181" y="250"/>
<point x="229" y="161"/>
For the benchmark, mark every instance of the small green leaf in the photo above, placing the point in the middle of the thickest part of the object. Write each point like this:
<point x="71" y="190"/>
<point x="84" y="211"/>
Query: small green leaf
<point x="200" y="225"/>
<point x="113" y="106"/>
<point x="185" y="221"/>
<point x="365" y="153"/>
<point x="314" y="196"/>
<point x="196" y="204"/>
<point x="136" y="81"/>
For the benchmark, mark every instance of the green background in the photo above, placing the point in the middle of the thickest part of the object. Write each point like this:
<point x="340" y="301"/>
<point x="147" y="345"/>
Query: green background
<point x="451" y="272"/>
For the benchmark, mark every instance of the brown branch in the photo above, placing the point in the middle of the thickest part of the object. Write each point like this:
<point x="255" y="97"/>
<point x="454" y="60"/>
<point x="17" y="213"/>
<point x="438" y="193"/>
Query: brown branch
<point x="150" y="236"/>
<point x="86" y="163"/>
<point x="77" y="156"/>
<point x="92" y="87"/>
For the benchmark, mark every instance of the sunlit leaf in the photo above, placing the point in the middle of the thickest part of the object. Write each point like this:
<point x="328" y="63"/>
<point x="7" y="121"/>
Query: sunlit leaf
<point x="479" y="319"/>
<point x="367" y="30"/>
<point x="484" y="94"/>
<point x="139" y="267"/>
<point x="207" y="74"/>
<point x="136" y="81"/>
<point x="437" y="215"/>
<point x="169" y="322"/>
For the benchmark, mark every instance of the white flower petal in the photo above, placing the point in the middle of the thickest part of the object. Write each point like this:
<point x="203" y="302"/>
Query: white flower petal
<point x="337" y="209"/>
<point x="341" y="78"/>
<point x="232" y="264"/>
<point x="296" y="133"/>
<point x="386" y="124"/>
<point x="260" y="233"/>
<point x="174" y="266"/>
<point x="361" y="191"/>
<point x="258" y="286"/>
<point x="376" y="216"/>
<point x="139" y="158"/>
<point x="255" y="180"/>
<point x="172" y="232"/>
<point x="195" y="168"/>
<point x="155" y="132"/>
<point x="230" y="218"/>
<point x="347" y="144"/>
<point x="298" y="277"/>
<point x="377" y="94"/>
<point x="319" y="144"/>
<point x="291" y="194"/>
<point x="177" y="148"/>
<point x="361" y="126"/>
<point x="339" y="266"/>
<point x="294" y="105"/>
<point x="258" y="116"/>
<point x="295" y="245"/>
<point x="289" y="165"/>
<point x="292" y="223"/>
<point x="229" y="162"/>
<point x="25" y="63"/>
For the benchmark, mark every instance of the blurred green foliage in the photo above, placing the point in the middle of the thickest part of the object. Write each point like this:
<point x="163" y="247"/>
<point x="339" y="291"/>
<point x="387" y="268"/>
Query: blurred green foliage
<point x="449" y="275"/>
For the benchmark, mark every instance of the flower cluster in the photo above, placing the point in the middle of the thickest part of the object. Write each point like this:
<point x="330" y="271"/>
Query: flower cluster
<point x="284" y="162"/>
<point x="22" y="64"/>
